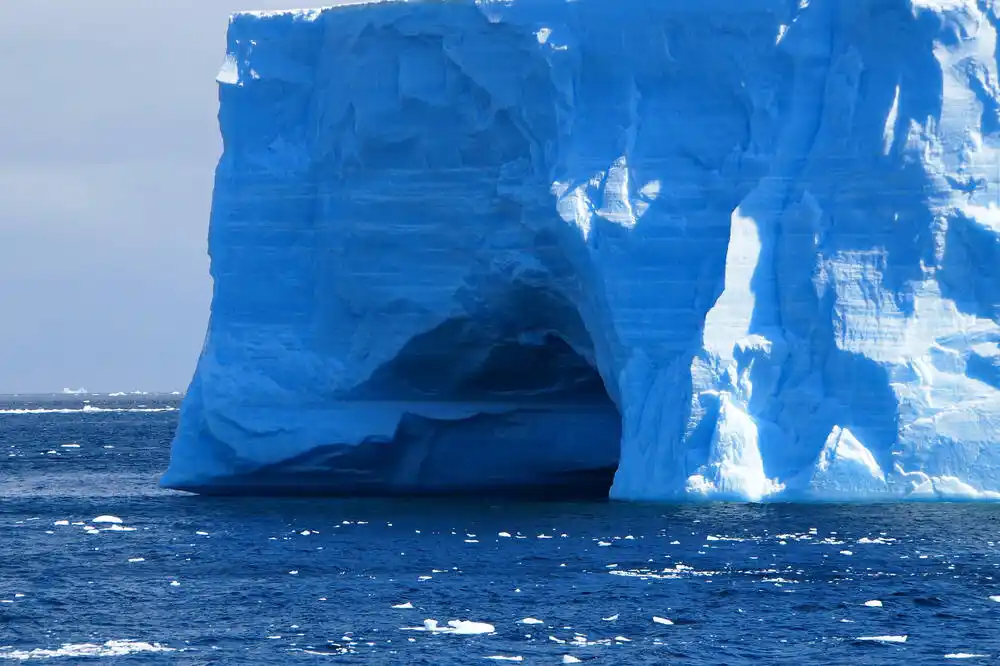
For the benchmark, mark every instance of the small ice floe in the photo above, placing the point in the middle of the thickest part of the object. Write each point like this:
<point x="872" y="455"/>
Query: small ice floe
<point x="459" y="627"/>
<point x="201" y="533"/>
<point x="603" y="544"/>
<point x="175" y="583"/>
<point x="136" y="559"/>
<point x="873" y="603"/>
<point x="424" y="577"/>
<point x="882" y="639"/>
<point x="611" y="618"/>
<point x="111" y="520"/>
<point x="293" y="572"/>
<point x="504" y="535"/>
<point x="965" y="655"/>
<point x="70" y="446"/>
<point x="500" y="657"/>
<point x="472" y="541"/>
<point x="544" y="536"/>
<point x="846" y="552"/>
<point x="570" y="659"/>
<point x="530" y="620"/>
<point x="118" y="528"/>
<point x="406" y="605"/>
<point x="662" y="620"/>
<point x="996" y="598"/>
<point x="61" y="523"/>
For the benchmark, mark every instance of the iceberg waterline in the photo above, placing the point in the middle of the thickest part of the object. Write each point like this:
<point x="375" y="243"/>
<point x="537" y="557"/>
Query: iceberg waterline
<point x="740" y="250"/>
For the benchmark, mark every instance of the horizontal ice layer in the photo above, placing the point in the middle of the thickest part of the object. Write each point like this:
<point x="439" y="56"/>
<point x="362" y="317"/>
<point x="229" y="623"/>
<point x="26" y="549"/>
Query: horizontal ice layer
<point x="741" y="249"/>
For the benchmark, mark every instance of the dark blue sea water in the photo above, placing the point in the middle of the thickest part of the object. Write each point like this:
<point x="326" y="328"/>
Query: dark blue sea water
<point x="184" y="579"/>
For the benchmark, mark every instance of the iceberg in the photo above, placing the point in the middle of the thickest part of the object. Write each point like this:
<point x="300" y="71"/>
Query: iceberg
<point x="646" y="249"/>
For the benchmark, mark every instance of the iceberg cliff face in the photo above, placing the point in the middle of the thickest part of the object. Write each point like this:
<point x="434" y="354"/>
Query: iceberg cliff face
<point x="742" y="249"/>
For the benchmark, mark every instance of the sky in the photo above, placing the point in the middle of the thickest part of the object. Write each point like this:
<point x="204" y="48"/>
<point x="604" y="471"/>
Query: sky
<point x="108" y="144"/>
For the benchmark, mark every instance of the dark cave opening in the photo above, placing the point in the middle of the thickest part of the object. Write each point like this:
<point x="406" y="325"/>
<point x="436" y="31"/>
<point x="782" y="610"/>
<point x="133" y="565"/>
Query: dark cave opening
<point x="543" y="427"/>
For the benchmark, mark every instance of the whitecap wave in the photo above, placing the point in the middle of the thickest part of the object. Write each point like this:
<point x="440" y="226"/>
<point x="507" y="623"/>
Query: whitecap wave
<point x="86" y="409"/>
<point x="113" y="648"/>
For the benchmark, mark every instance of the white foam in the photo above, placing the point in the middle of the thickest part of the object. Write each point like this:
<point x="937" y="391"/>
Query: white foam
<point x="112" y="648"/>
<point x="965" y="655"/>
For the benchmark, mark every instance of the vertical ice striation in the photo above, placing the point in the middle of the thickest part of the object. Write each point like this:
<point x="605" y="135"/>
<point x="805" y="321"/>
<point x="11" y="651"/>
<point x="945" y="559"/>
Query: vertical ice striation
<point x="739" y="249"/>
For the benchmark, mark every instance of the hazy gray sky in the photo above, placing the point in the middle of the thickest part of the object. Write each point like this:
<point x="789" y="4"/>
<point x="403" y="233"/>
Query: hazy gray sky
<point x="108" y="143"/>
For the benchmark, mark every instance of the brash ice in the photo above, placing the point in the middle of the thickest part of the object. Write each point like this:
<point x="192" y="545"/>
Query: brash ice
<point x="744" y="249"/>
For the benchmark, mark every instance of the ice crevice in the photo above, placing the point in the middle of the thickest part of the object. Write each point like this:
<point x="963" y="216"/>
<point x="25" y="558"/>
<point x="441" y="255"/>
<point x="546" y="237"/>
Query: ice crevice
<point x="652" y="249"/>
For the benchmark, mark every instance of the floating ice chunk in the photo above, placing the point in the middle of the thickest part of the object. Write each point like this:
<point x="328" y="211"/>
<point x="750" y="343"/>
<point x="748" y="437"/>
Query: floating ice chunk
<point x="500" y="657"/>
<point x="61" y="523"/>
<point x="136" y="559"/>
<point x="294" y="572"/>
<point x="468" y="627"/>
<point x="883" y="639"/>
<point x="570" y="659"/>
<point x="70" y="446"/>
<point x="965" y="655"/>
<point x="611" y="618"/>
<point x="995" y="598"/>
<point x="115" y="520"/>
<point x="530" y="620"/>
<point x="505" y="535"/>
<point x="874" y="603"/>
<point x="661" y="620"/>
<point x="119" y="528"/>
<point x="404" y="606"/>
<point x="460" y="627"/>
<point x="175" y="583"/>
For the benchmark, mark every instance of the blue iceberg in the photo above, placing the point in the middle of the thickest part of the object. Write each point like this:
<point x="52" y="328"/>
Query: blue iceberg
<point x="657" y="249"/>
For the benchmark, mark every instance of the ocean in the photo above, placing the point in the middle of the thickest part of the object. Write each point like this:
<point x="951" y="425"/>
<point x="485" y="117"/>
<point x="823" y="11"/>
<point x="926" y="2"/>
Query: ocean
<point x="97" y="562"/>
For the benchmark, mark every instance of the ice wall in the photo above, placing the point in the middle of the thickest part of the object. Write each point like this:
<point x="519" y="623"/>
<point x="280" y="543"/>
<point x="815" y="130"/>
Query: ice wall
<point x="737" y="249"/>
